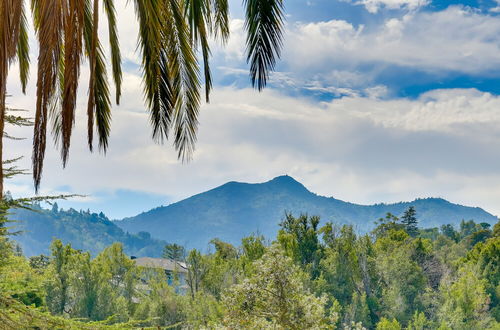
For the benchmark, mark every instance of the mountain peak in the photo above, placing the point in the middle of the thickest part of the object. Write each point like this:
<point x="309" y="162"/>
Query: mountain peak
<point x="237" y="209"/>
<point x="286" y="181"/>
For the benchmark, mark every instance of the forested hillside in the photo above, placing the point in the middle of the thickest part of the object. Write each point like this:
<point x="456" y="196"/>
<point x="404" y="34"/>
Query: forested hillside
<point x="229" y="213"/>
<point x="308" y="277"/>
<point x="236" y="209"/>
<point x="84" y="230"/>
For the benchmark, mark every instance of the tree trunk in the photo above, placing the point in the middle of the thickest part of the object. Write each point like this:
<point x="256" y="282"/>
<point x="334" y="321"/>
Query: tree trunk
<point x="3" y="88"/>
<point x="4" y="67"/>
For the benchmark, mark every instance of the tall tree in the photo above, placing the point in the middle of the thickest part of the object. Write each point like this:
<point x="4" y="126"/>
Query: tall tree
<point x="409" y="220"/>
<point x="300" y="237"/>
<point x="196" y="271"/>
<point x="174" y="252"/>
<point x="58" y="286"/>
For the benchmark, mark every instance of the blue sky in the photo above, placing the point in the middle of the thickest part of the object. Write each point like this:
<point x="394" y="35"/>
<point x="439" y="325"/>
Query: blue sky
<point x="402" y="78"/>
<point x="372" y="101"/>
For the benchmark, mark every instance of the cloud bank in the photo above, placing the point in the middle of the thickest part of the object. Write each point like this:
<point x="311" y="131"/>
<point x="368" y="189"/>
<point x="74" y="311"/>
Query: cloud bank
<point x="359" y="149"/>
<point x="365" y="145"/>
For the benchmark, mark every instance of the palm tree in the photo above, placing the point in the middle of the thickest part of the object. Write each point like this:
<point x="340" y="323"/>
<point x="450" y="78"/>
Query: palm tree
<point x="170" y="34"/>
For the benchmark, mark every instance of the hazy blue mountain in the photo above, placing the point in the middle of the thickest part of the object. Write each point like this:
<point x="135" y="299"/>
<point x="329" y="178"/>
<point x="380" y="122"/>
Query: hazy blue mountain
<point x="235" y="209"/>
<point x="84" y="230"/>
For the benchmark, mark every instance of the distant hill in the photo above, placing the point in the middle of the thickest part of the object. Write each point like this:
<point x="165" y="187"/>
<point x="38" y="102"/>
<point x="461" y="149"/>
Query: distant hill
<point x="84" y="230"/>
<point x="235" y="209"/>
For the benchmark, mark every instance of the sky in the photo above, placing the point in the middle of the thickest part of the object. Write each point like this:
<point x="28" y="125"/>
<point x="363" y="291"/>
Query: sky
<point x="372" y="101"/>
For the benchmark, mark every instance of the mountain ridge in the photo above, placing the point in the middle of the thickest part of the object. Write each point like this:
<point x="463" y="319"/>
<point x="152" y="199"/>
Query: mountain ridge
<point x="235" y="209"/>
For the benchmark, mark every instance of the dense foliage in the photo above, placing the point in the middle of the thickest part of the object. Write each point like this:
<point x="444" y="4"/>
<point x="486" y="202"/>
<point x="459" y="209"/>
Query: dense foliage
<point x="85" y="230"/>
<point x="310" y="276"/>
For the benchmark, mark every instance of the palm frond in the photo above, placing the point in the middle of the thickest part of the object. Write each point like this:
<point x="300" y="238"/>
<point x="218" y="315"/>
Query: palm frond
<point x="102" y="100"/>
<point x="221" y="19"/>
<point x="158" y="89"/>
<point x="198" y="15"/>
<point x="171" y="72"/>
<point x="185" y="78"/>
<point x="23" y="51"/>
<point x="99" y="103"/>
<point x="116" y="58"/>
<point x="12" y="19"/>
<point x="49" y="27"/>
<point x="92" y="20"/>
<point x="206" y="63"/>
<point x="264" y="26"/>
<point x="73" y="33"/>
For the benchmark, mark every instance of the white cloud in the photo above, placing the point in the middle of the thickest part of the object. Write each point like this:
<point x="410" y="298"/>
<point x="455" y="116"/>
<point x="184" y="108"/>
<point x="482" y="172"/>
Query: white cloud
<point x="346" y="59"/>
<point x="437" y="110"/>
<point x="497" y="8"/>
<point x="356" y="148"/>
<point x="373" y="6"/>
<point x="456" y="39"/>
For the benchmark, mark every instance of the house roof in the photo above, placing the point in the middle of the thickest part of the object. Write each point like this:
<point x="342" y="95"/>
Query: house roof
<point x="162" y="263"/>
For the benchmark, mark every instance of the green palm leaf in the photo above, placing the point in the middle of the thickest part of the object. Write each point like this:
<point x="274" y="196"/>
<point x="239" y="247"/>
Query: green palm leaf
<point x="99" y="102"/>
<point x="49" y="29"/>
<point x="23" y="51"/>
<point x="116" y="58"/>
<point x="221" y="19"/>
<point x="264" y="25"/>
<point x="198" y="15"/>
<point x="171" y="73"/>
<point x="186" y="79"/>
<point x="158" y="88"/>
<point x="73" y="33"/>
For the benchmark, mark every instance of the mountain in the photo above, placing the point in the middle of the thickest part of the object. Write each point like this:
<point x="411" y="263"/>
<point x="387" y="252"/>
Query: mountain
<point x="84" y="230"/>
<point x="236" y="209"/>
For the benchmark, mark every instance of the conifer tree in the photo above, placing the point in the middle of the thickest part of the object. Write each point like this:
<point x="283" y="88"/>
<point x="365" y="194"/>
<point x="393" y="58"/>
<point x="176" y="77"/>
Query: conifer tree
<point x="174" y="252"/>
<point x="409" y="220"/>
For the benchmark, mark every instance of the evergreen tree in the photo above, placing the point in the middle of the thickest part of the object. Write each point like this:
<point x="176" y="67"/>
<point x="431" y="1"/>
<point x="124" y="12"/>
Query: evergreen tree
<point x="300" y="238"/>
<point x="409" y="220"/>
<point x="174" y="252"/>
<point x="55" y="208"/>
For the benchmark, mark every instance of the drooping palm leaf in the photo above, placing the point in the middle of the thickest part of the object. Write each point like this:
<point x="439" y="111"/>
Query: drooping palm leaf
<point x="23" y="51"/>
<point x="264" y="25"/>
<point x="205" y="49"/>
<point x="49" y="29"/>
<point x="170" y="32"/>
<point x="12" y="16"/>
<point x="102" y="101"/>
<point x="158" y="87"/>
<point x="10" y="24"/>
<point x="116" y="58"/>
<point x="207" y="18"/>
<point x="171" y="72"/>
<point x="73" y="17"/>
<point x="198" y="15"/>
<point x="91" y="43"/>
<point x="99" y="102"/>
<point x="220" y="20"/>
<point x="184" y="71"/>
<point x="12" y="29"/>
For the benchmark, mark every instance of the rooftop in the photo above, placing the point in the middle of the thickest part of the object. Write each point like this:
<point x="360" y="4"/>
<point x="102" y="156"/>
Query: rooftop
<point x="167" y="264"/>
